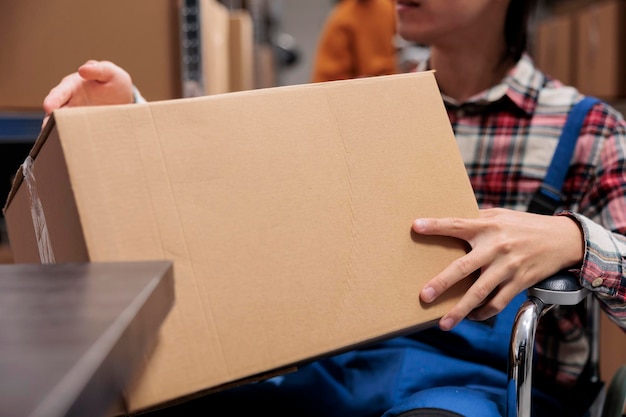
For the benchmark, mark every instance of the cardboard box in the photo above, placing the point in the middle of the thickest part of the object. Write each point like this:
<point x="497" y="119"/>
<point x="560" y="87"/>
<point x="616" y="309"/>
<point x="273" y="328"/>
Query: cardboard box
<point x="5" y="254"/>
<point x="44" y="41"/>
<point x="241" y="50"/>
<point x="215" y="34"/>
<point x="287" y="212"/>
<point x="266" y="69"/>
<point x="602" y="49"/>
<point x="555" y="52"/>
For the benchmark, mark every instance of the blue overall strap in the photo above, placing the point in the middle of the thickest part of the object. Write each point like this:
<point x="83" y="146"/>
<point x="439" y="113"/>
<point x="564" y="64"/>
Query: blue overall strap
<point x="548" y="196"/>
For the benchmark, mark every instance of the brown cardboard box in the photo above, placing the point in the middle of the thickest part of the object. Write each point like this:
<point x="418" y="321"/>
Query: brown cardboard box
<point x="241" y="50"/>
<point x="265" y="70"/>
<point x="602" y="49"/>
<point x="215" y="29"/>
<point x="5" y="254"/>
<point x="42" y="41"/>
<point x="555" y="53"/>
<point x="287" y="212"/>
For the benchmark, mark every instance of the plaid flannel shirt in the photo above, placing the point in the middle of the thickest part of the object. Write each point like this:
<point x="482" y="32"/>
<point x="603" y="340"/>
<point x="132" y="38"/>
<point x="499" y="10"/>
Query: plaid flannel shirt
<point x="507" y="136"/>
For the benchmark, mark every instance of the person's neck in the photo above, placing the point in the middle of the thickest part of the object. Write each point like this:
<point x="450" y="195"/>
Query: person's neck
<point x="463" y="73"/>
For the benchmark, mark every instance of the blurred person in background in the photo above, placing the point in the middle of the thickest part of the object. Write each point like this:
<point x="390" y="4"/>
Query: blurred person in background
<point x="358" y="39"/>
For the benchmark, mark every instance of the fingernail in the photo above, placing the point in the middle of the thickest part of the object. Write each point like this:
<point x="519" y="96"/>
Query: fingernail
<point x="428" y="294"/>
<point x="419" y="224"/>
<point x="446" y="323"/>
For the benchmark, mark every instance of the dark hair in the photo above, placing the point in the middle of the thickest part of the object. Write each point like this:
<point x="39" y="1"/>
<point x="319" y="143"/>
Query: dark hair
<point x="516" y="28"/>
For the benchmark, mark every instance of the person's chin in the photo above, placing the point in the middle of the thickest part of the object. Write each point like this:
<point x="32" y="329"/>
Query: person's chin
<point x="413" y="34"/>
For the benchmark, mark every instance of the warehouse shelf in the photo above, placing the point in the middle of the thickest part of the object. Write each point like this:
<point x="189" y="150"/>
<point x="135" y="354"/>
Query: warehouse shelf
<point x="20" y="127"/>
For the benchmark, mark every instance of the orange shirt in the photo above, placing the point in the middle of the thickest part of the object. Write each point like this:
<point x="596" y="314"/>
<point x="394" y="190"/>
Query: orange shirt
<point x="357" y="40"/>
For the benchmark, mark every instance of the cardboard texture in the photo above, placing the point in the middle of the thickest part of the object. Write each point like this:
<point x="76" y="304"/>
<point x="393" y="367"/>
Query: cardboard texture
<point x="555" y="53"/>
<point x="601" y="49"/>
<point x="287" y="212"/>
<point x="44" y="41"/>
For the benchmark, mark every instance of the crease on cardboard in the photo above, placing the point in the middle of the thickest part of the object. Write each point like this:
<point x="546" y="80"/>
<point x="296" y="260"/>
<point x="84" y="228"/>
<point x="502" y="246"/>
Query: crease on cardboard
<point x="347" y="283"/>
<point x="46" y="254"/>
<point x="222" y="356"/>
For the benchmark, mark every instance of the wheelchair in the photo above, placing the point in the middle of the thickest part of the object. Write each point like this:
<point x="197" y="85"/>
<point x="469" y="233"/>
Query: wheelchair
<point x="562" y="289"/>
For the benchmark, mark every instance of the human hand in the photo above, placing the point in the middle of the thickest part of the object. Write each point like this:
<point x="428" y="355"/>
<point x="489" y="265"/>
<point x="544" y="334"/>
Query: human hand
<point x="513" y="251"/>
<point x="95" y="83"/>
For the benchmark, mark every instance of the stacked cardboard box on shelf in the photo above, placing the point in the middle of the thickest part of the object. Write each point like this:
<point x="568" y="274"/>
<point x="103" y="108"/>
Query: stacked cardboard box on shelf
<point x="241" y="51"/>
<point x="585" y="46"/>
<point x="602" y="49"/>
<point x="44" y="41"/>
<point x="554" y="54"/>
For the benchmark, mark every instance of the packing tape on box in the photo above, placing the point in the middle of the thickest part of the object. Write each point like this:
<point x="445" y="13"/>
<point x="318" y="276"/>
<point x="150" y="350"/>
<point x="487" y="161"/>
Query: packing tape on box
<point x="36" y="210"/>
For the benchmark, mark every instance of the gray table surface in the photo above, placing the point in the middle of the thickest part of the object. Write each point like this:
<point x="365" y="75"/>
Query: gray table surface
<point x="73" y="335"/>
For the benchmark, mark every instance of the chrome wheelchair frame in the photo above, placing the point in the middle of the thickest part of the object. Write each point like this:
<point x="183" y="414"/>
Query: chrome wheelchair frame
<point x="562" y="289"/>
